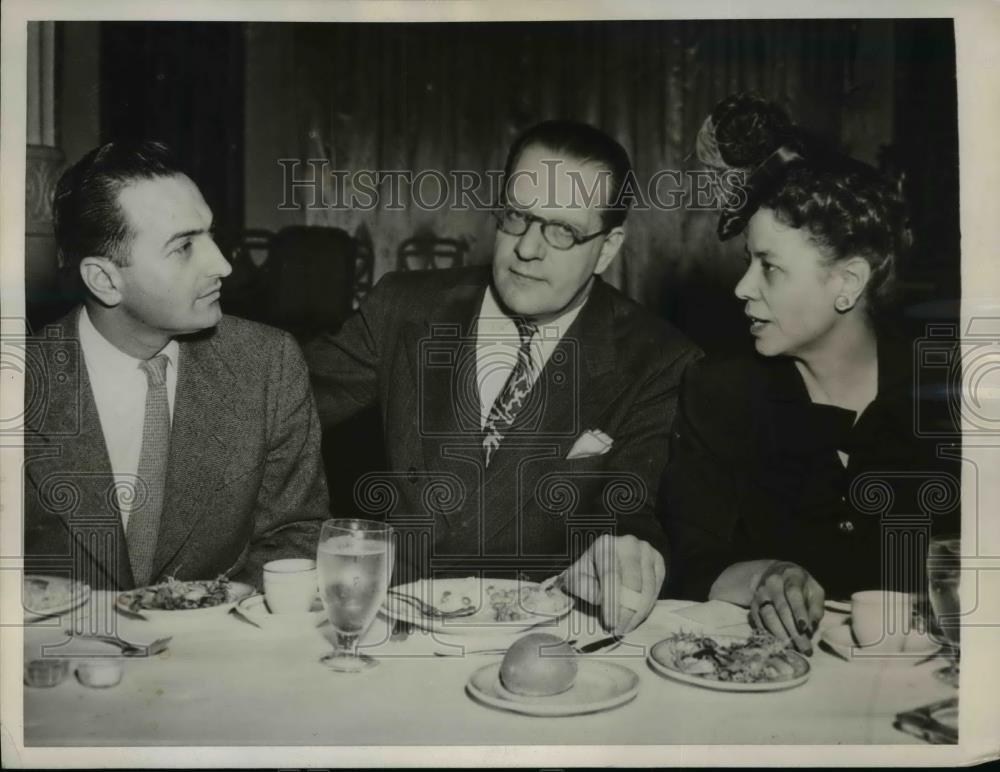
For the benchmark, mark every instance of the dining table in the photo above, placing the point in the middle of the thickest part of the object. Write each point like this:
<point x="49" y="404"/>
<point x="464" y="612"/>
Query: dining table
<point x="226" y="681"/>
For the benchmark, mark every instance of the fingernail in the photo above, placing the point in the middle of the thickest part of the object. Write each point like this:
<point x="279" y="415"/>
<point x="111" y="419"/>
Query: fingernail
<point x="802" y="625"/>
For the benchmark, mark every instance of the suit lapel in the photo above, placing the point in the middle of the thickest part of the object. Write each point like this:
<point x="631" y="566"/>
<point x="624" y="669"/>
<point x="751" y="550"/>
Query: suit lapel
<point x="72" y="470"/>
<point x="206" y="413"/>
<point x="442" y="358"/>
<point x="579" y="381"/>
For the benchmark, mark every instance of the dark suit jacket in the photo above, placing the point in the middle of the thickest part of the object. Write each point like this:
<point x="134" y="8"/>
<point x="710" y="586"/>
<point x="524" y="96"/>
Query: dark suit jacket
<point x="245" y="481"/>
<point x="411" y="349"/>
<point x="754" y="474"/>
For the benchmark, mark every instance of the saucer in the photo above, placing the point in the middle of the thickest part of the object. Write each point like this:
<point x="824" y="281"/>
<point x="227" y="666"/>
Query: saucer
<point x="255" y="608"/>
<point x="841" y="640"/>
<point x="599" y="686"/>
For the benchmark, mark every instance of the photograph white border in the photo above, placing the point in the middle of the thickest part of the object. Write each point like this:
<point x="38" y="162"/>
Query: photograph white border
<point x="977" y="29"/>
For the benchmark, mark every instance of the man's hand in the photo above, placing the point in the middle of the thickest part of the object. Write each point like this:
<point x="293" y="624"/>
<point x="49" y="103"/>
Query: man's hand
<point x="788" y="603"/>
<point x="622" y="575"/>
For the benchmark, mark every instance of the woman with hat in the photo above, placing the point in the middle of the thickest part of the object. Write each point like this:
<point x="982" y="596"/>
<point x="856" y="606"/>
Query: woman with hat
<point x="798" y="473"/>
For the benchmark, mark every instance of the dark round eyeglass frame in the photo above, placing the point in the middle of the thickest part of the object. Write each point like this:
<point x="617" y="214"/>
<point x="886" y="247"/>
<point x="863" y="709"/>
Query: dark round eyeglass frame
<point x="547" y="227"/>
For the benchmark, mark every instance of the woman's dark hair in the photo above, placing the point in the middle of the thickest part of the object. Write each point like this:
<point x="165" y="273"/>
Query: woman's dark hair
<point x="846" y="206"/>
<point x="87" y="218"/>
<point x="848" y="213"/>
<point x="585" y="143"/>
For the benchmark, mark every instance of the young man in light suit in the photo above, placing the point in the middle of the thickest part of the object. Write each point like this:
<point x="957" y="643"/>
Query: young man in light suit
<point x="166" y="439"/>
<point x="526" y="406"/>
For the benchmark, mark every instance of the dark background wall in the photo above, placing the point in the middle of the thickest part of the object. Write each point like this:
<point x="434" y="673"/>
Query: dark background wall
<point x="233" y="98"/>
<point x="182" y="82"/>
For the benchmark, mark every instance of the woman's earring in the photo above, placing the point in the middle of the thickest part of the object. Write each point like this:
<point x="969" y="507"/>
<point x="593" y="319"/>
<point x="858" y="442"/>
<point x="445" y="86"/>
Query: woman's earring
<point x="842" y="303"/>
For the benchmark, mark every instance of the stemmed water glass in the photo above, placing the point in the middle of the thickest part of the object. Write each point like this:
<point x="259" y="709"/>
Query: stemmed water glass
<point x="354" y="560"/>
<point x="943" y="574"/>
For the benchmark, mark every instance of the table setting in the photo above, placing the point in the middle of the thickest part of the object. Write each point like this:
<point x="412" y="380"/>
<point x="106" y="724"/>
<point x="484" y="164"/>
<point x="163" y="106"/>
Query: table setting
<point x="330" y="654"/>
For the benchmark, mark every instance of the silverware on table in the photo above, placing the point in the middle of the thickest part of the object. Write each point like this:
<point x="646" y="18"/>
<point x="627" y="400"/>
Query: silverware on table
<point x="558" y="581"/>
<point x="831" y="650"/>
<point x="130" y="614"/>
<point x="243" y="617"/>
<point x="401" y="630"/>
<point x="928" y="658"/>
<point x="494" y="651"/>
<point x="610" y="643"/>
<point x="130" y="649"/>
<point x="431" y="611"/>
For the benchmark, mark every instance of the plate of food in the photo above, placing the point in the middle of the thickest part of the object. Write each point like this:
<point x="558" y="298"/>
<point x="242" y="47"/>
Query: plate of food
<point x="173" y="600"/>
<point x="501" y="606"/>
<point x="46" y="596"/>
<point x="541" y="675"/>
<point x="760" y="663"/>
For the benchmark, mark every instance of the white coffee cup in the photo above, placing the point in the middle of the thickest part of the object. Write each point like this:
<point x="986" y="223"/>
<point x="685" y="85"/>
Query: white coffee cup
<point x="290" y="585"/>
<point x="881" y="619"/>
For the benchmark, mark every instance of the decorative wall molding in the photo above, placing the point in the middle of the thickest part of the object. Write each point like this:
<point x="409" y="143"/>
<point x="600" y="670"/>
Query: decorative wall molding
<point x="44" y="164"/>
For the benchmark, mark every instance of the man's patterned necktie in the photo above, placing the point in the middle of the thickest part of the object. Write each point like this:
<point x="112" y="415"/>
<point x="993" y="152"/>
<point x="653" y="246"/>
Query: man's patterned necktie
<point x="514" y="393"/>
<point x="144" y="519"/>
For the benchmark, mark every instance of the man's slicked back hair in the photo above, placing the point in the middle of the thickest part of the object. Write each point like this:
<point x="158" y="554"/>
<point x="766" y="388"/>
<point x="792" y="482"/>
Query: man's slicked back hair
<point x="88" y="220"/>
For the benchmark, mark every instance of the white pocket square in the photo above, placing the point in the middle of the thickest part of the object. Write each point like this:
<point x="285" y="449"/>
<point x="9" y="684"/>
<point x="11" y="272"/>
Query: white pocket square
<point x="592" y="442"/>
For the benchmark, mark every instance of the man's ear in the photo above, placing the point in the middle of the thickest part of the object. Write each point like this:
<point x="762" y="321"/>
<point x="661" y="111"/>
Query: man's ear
<point x="854" y="274"/>
<point x="103" y="279"/>
<point x="610" y="248"/>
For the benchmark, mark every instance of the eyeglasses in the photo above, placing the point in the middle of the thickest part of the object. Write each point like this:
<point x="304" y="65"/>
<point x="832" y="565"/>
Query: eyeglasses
<point x="556" y="234"/>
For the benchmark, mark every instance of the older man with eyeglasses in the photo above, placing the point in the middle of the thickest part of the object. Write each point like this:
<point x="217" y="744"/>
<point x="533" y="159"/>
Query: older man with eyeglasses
<point x="525" y="406"/>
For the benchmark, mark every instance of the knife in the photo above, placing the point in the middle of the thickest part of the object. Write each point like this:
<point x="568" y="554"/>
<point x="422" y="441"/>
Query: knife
<point x="612" y="641"/>
<point x="243" y="617"/>
<point x="131" y="614"/>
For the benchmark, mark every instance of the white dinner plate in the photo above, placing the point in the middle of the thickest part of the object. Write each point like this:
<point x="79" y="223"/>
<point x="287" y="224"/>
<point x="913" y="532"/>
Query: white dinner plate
<point x="841" y="640"/>
<point x="255" y="608"/>
<point x="599" y="686"/>
<point x="483" y="622"/>
<point x="660" y="660"/>
<point x="47" y="596"/>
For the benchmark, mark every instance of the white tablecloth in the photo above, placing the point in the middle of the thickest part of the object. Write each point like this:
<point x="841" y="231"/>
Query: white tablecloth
<point x="227" y="683"/>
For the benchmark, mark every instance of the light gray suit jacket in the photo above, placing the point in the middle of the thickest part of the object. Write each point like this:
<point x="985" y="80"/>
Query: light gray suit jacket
<point x="245" y="481"/>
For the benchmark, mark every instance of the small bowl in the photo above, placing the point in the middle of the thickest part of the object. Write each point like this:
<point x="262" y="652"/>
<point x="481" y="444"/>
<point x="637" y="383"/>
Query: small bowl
<point x="46" y="672"/>
<point x="100" y="673"/>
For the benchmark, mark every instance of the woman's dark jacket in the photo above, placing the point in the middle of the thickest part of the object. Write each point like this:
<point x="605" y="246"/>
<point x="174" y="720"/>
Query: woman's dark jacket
<point x="754" y="473"/>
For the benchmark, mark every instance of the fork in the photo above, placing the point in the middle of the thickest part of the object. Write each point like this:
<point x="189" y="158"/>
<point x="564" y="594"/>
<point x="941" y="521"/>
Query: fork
<point x="131" y="649"/>
<point x="493" y="650"/>
<point x="431" y="611"/>
<point x="604" y="644"/>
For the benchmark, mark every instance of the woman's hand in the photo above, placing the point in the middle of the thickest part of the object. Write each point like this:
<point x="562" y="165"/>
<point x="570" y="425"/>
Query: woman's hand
<point x="788" y="603"/>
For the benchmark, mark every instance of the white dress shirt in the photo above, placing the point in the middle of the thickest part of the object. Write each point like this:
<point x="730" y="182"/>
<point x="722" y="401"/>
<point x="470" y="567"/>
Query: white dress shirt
<point x="497" y="342"/>
<point x="119" y="387"/>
